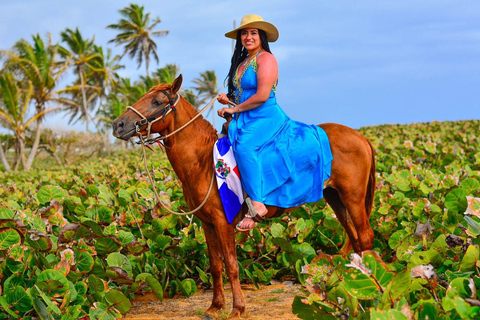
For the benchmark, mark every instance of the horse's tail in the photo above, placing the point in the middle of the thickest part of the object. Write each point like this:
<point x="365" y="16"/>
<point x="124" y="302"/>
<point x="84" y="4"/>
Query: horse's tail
<point x="370" y="196"/>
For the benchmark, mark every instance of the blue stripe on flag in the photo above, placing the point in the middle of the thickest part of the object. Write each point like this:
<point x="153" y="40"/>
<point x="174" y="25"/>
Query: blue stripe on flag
<point x="230" y="201"/>
<point x="223" y="145"/>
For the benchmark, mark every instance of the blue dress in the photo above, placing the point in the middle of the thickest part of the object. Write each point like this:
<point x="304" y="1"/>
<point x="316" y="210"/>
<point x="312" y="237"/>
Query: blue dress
<point x="282" y="162"/>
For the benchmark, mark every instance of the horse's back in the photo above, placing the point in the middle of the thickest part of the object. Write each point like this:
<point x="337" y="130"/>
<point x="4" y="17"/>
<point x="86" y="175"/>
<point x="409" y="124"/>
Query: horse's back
<point x="346" y="139"/>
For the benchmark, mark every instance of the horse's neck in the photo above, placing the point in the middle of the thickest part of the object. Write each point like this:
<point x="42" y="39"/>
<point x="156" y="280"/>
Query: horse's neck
<point x="191" y="148"/>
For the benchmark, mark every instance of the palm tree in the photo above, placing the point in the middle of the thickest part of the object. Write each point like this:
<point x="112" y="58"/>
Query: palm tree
<point x="206" y="87"/>
<point x="82" y="54"/>
<point x="39" y="65"/>
<point x="104" y="70"/>
<point x="136" y="33"/>
<point x="167" y="74"/>
<point x="14" y="105"/>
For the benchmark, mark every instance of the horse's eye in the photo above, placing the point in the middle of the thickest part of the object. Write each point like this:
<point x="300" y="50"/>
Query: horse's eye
<point x="156" y="102"/>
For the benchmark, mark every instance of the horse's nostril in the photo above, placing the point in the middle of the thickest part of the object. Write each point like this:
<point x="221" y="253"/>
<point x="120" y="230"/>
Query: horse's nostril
<point x="120" y="124"/>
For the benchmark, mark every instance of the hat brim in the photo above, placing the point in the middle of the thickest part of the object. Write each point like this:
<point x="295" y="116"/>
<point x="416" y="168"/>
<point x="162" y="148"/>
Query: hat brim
<point x="270" y="30"/>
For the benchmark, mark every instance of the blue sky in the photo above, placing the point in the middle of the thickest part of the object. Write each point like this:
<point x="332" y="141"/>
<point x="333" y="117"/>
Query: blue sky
<point x="357" y="63"/>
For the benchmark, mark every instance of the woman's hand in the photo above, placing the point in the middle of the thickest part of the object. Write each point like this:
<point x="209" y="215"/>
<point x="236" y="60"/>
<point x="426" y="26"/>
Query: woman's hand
<point x="224" y="112"/>
<point x="222" y="98"/>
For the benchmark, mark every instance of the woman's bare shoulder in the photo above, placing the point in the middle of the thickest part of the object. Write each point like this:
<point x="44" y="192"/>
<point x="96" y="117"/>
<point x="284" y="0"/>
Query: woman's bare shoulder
<point x="266" y="57"/>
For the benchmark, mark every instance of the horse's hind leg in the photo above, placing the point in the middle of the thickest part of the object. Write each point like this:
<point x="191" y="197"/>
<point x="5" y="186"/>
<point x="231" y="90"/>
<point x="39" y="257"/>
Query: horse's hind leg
<point x="357" y="216"/>
<point x="333" y="199"/>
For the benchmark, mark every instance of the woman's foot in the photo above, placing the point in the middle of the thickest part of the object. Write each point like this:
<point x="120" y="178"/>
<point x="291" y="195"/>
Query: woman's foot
<point x="248" y="222"/>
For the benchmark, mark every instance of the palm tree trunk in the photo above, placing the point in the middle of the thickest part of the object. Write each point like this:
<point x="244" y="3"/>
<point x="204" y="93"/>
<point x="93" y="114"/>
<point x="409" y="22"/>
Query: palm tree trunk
<point x="146" y="64"/>
<point x="84" y="97"/>
<point x="4" y="159"/>
<point x="33" y="151"/>
<point x="19" y="152"/>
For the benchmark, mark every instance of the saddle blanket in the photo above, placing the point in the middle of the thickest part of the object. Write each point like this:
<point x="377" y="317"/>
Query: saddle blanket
<point x="228" y="178"/>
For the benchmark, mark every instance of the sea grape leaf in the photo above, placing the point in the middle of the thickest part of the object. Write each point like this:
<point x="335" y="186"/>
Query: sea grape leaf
<point x="164" y="223"/>
<point x="399" y="286"/>
<point x="95" y="284"/>
<point x="379" y="270"/>
<point x="456" y="200"/>
<point x="84" y="261"/>
<point x="363" y="282"/>
<point x="105" y="215"/>
<point x="283" y="243"/>
<point x="104" y="246"/>
<point x="9" y="237"/>
<point x="306" y="250"/>
<point x="387" y="315"/>
<point x="48" y="193"/>
<point x="52" y="282"/>
<point x="4" y="304"/>
<point x="470" y="185"/>
<point x="6" y="213"/>
<point x="94" y="227"/>
<point x="307" y="311"/>
<point x="101" y="311"/>
<point x="473" y="227"/>
<point x="40" y="241"/>
<point x="19" y="300"/>
<point x="277" y="229"/>
<point x="119" y="275"/>
<point x="67" y="232"/>
<point x="48" y="300"/>
<point x="118" y="300"/>
<point x="92" y="190"/>
<point x="125" y="237"/>
<point x="395" y="239"/>
<point x="188" y="287"/>
<point x="124" y="197"/>
<point x="470" y="259"/>
<point x="156" y="287"/>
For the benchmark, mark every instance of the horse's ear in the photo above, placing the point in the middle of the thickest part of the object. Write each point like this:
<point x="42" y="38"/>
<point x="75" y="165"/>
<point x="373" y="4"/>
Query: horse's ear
<point x="177" y="83"/>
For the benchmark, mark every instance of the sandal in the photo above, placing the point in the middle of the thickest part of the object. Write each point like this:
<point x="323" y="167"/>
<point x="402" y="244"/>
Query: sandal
<point x="256" y="218"/>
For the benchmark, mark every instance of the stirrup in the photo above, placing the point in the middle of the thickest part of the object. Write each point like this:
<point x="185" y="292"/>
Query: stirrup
<point x="251" y="209"/>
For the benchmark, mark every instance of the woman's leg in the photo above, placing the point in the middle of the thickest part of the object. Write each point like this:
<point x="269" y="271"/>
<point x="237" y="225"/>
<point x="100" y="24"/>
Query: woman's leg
<point x="248" y="223"/>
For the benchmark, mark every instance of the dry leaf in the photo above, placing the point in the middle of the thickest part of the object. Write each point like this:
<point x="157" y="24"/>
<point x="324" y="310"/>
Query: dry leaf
<point x="424" y="272"/>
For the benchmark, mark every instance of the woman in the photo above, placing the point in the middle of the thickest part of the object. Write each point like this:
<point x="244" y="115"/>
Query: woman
<point x="282" y="162"/>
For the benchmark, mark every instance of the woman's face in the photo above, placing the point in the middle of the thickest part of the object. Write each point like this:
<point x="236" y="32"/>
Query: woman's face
<point x="250" y="39"/>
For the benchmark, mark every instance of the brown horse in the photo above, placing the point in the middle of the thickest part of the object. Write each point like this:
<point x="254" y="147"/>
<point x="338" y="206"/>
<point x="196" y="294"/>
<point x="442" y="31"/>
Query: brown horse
<point x="349" y="191"/>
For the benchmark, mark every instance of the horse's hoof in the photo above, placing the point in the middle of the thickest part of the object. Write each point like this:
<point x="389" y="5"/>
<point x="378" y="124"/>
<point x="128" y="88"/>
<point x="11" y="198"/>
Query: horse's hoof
<point x="208" y="317"/>
<point x="236" y="314"/>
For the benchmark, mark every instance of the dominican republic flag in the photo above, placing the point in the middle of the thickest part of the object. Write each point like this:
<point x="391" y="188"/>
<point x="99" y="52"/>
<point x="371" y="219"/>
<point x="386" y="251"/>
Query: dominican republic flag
<point x="228" y="178"/>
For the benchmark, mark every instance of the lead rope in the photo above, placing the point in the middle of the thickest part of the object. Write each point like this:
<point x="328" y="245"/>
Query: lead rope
<point x="168" y="135"/>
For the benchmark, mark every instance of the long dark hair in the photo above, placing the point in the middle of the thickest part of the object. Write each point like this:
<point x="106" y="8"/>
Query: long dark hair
<point x="239" y="55"/>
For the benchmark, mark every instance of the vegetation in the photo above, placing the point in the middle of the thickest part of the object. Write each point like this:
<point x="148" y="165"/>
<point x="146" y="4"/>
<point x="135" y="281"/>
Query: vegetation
<point x="81" y="241"/>
<point x="98" y="94"/>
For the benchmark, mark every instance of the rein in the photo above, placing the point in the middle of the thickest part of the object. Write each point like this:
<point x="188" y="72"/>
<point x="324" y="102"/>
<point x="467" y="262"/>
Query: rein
<point x="151" y="120"/>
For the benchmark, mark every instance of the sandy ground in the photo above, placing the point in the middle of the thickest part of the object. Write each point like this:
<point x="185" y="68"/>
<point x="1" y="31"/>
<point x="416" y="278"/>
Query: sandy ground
<point x="272" y="302"/>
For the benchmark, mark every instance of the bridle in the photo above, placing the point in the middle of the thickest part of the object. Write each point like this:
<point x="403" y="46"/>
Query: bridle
<point x="156" y="116"/>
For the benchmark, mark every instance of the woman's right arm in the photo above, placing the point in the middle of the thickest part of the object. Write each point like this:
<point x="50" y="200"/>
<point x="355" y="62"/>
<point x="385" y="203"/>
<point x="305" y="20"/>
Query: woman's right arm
<point x="222" y="98"/>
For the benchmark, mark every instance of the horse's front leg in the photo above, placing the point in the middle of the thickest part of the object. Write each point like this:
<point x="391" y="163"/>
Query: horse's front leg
<point x="215" y="254"/>
<point x="226" y="234"/>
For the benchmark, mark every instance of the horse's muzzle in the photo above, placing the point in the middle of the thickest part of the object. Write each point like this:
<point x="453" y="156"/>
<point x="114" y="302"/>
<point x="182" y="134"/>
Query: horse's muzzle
<point x="121" y="130"/>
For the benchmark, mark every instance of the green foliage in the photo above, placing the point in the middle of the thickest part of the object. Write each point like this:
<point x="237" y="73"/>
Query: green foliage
<point x="425" y="258"/>
<point x="82" y="241"/>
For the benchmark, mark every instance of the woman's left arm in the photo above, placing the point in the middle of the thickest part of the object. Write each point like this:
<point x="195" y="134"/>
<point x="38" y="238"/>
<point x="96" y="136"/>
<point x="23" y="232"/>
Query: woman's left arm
<point x="267" y="75"/>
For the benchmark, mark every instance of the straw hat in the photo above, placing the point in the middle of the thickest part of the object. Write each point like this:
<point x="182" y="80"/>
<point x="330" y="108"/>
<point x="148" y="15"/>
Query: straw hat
<point x="255" y="22"/>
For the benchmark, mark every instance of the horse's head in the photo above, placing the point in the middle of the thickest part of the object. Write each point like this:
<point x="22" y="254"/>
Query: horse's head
<point x="151" y="110"/>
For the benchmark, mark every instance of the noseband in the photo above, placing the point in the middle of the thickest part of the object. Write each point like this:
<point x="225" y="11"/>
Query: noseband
<point x="159" y="115"/>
